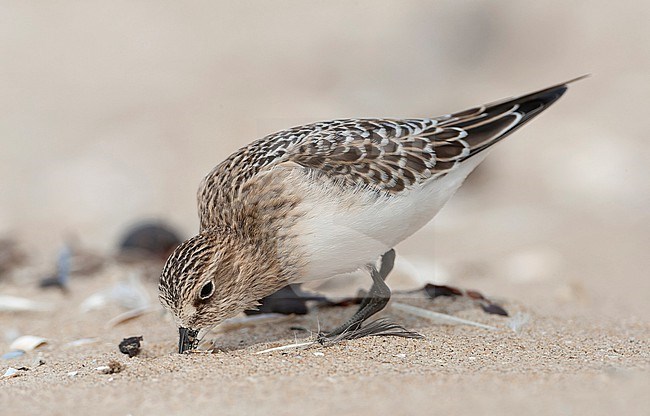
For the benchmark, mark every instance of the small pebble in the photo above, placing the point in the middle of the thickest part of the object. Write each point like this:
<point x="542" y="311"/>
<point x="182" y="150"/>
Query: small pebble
<point x="113" y="367"/>
<point x="130" y="346"/>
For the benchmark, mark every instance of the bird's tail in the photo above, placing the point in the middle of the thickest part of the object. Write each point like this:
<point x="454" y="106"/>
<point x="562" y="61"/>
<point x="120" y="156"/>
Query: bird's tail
<point x="490" y="123"/>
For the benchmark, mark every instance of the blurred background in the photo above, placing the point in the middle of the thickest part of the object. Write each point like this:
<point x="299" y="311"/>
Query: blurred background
<point x="112" y="112"/>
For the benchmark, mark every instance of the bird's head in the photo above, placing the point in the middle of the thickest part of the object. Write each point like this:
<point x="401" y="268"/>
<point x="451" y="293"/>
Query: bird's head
<point x="205" y="280"/>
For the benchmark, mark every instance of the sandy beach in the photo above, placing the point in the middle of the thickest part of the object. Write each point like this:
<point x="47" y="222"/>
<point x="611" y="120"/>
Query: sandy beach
<point x="548" y="357"/>
<point x="112" y="112"/>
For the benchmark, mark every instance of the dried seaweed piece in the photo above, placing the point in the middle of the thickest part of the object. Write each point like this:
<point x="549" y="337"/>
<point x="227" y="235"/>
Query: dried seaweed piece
<point x="433" y="291"/>
<point x="131" y="346"/>
<point x="62" y="276"/>
<point x="149" y="240"/>
<point x="473" y="294"/>
<point x="494" y="309"/>
<point x="440" y="290"/>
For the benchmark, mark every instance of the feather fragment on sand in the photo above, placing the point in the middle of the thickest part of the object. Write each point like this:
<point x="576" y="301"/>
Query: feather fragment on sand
<point x="80" y="342"/>
<point x="518" y="321"/>
<point x="440" y="318"/>
<point x="287" y="347"/>
<point x="129" y="315"/>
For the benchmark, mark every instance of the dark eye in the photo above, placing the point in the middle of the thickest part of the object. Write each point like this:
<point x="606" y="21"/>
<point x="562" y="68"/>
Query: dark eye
<point x="206" y="290"/>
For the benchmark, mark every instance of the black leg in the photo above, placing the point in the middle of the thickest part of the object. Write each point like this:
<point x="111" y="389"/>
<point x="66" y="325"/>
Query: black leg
<point x="375" y="301"/>
<point x="387" y="262"/>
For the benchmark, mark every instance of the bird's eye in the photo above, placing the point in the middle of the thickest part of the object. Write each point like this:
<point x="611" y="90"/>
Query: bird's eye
<point x="206" y="290"/>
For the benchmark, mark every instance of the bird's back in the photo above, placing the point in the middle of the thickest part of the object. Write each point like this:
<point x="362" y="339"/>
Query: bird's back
<point x="384" y="156"/>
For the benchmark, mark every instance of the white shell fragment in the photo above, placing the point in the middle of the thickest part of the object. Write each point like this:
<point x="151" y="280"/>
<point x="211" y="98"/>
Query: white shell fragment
<point x="27" y="343"/>
<point x="12" y="354"/>
<point x="16" y="304"/>
<point x="72" y="373"/>
<point x="11" y="372"/>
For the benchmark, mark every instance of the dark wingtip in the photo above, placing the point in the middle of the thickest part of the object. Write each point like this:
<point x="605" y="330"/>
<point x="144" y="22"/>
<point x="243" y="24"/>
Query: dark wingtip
<point x="581" y="77"/>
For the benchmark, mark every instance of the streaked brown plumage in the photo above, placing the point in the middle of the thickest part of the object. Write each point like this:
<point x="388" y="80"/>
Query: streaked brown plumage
<point x="258" y="224"/>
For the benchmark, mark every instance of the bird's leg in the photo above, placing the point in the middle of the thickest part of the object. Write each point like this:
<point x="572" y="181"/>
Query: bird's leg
<point x="375" y="301"/>
<point x="387" y="263"/>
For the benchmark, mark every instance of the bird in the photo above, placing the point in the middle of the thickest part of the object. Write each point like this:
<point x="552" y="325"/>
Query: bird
<point x="325" y="199"/>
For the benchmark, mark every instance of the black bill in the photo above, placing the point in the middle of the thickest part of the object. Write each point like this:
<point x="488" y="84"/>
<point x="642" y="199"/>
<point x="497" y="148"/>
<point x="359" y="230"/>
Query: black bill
<point x="187" y="339"/>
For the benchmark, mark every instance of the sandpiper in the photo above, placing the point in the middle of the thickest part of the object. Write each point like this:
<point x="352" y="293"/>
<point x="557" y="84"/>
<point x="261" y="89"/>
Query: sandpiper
<point x="325" y="199"/>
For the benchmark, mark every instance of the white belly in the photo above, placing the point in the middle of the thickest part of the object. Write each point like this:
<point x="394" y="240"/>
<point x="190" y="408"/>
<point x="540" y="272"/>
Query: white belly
<point x="343" y="232"/>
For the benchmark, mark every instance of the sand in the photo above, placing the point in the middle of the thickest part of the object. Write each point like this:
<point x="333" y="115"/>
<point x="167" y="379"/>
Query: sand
<point x="114" y="111"/>
<point x="562" y="362"/>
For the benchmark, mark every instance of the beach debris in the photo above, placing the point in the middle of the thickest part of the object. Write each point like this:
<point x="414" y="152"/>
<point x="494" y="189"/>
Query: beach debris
<point x="130" y="315"/>
<point x="319" y="354"/>
<point x="441" y="290"/>
<point x="440" y="318"/>
<point x="430" y="290"/>
<point x="72" y="373"/>
<point x="434" y="291"/>
<point x="81" y="341"/>
<point x="12" y="354"/>
<point x="62" y="276"/>
<point x="10" y="373"/>
<point x="129" y="294"/>
<point x="94" y="302"/>
<point x="17" y="304"/>
<point x="131" y="346"/>
<point x="27" y="343"/>
<point x="493" y="309"/>
<point x="113" y="367"/>
<point x="288" y="347"/>
<point x="38" y="361"/>
<point x="518" y="321"/>
<point x="148" y="240"/>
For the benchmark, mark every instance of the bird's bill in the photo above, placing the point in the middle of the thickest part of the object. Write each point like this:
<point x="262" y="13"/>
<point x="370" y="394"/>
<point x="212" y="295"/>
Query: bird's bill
<point x="187" y="339"/>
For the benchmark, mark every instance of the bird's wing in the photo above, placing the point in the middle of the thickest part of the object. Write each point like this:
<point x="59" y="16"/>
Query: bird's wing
<point x="385" y="155"/>
<point x="393" y="155"/>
